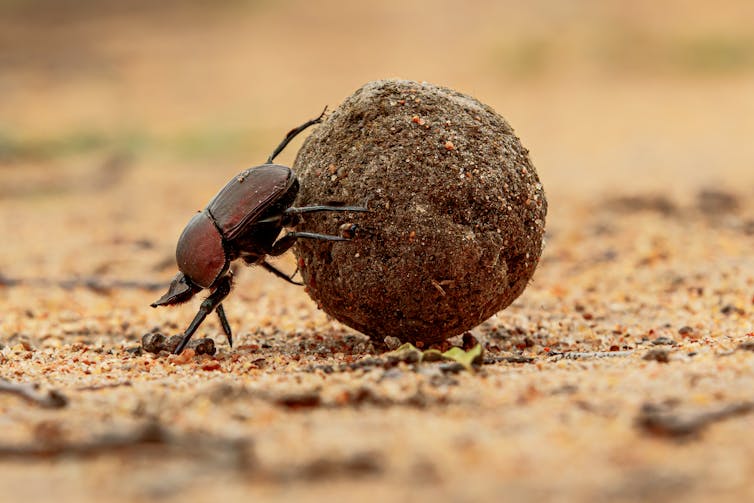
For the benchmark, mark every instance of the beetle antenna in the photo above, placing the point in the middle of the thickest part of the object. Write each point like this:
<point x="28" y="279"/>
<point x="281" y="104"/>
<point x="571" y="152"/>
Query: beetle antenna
<point x="293" y="133"/>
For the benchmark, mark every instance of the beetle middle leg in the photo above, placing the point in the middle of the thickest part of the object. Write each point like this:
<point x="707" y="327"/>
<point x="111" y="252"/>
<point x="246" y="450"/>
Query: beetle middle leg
<point x="207" y="306"/>
<point x="283" y="244"/>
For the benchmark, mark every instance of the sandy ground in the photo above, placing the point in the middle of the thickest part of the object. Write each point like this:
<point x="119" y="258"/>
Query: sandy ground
<point x="624" y="372"/>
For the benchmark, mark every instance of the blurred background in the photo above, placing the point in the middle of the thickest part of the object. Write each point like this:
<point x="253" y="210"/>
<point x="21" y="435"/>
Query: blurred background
<point x="121" y="118"/>
<point x="139" y="110"/>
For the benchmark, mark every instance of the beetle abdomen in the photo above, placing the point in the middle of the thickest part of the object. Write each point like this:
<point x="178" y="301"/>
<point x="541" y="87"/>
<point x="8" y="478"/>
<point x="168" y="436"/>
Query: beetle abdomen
<point x="200" y="254"/>
<point x="242" y="201"/>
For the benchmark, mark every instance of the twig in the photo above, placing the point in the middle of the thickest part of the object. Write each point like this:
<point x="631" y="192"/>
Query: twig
<point x="585" y="355"/>
<point x="91" y="282"/>
<point x="653" y="419"/>
<point x="492" y="359"/>
<point x="149" y="434"/>
<point x="438" y="286"/>
<point x="97" y="387"/>
<point x="211" y="451"/>
<point x="107" y="174"/>
<point x="51" y="400"/>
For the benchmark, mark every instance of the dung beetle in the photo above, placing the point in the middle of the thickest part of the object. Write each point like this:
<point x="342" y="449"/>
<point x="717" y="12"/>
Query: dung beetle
<point x="242" y="221"/>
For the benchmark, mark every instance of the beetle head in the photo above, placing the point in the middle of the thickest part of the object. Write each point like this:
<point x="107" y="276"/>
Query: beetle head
<point x="181" y="289"/>
<point x="200" y="252"/>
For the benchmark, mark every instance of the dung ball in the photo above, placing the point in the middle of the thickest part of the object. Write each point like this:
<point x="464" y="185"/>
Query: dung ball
<point x="457" y="212"/>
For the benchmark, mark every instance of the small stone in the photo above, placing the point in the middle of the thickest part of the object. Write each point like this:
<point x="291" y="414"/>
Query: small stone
<point x="156" y="343"/>
<point x="665" y="341"/>
<point x="203" y="346"/>
<point x="657" y="355"/>
<point x="729" y="309"/>
<point x="746" y="346"/>
<point x="135" y="350"/>
<point x="172" y="343"/>
<point x="153" y="343"/>
<point x="392" y="342"/>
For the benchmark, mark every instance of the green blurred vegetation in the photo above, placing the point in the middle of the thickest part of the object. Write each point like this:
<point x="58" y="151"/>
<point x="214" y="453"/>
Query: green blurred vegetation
<point x="630" y="52"/>
<point x="196" y="144"/>
<point x="78" y="142"/>
<point x="714" y="53"/>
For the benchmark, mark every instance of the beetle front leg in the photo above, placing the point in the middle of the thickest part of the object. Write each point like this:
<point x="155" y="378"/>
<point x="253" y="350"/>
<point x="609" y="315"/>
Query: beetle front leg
<point x="283" y="244"/>
<point x="322" y="207"/>
<point x="208" y="305"/>
<point x="224" y="322"/>
<point x="291" y="216"/>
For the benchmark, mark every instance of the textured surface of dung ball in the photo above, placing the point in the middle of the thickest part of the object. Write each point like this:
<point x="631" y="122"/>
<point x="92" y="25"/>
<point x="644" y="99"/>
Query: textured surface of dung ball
<point x="457" y="212"/>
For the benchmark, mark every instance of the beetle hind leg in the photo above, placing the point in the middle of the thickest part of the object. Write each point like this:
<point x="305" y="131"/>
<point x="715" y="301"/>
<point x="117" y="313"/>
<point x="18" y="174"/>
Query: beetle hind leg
<point x="292" y="134"/>
<point x="280" y="274"/>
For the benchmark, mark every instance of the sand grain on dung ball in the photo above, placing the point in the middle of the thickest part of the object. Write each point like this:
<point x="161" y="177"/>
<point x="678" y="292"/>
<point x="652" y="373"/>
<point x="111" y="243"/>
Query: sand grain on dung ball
<point x="457" y="212"/>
